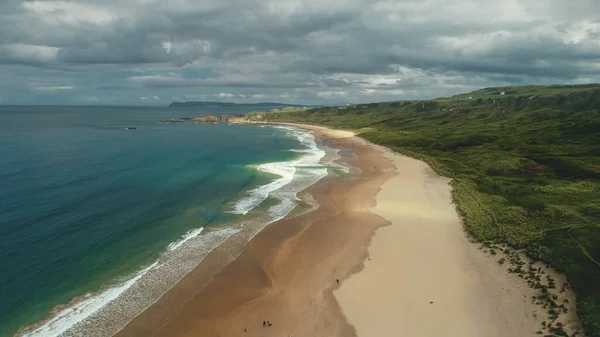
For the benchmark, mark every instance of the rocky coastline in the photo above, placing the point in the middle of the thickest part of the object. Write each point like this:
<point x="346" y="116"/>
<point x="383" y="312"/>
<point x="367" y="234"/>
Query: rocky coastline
<point x="208" y="119"/>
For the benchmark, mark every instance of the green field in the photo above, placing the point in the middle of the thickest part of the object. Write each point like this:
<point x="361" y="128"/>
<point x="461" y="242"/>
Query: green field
<point x="526" y="168"/>
<point x="527" y="90"/>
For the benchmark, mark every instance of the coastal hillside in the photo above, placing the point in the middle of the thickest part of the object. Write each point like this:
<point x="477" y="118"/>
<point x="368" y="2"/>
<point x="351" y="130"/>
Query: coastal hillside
<point x="207" y="104"/>
<point x="527" y="90"/>
<point x="525" y="163"/>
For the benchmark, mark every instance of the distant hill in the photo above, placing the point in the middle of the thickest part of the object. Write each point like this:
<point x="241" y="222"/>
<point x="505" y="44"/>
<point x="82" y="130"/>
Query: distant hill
<point x="230" y="104"/>
<point x="527" y="90"/>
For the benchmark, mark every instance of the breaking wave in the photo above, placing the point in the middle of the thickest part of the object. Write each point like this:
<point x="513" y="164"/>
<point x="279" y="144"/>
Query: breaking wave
<point x="106" y="312"/>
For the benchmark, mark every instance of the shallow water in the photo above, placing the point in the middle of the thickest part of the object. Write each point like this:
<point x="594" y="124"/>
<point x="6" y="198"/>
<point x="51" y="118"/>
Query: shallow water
<point x="91" y="211"/>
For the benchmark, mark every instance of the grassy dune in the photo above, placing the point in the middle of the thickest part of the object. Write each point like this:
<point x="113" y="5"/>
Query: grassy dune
<point x="526" y="169"/>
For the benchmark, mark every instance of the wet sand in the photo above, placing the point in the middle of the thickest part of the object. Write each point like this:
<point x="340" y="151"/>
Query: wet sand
<point x="286" y="274"/>
<point x="387" y="231"/>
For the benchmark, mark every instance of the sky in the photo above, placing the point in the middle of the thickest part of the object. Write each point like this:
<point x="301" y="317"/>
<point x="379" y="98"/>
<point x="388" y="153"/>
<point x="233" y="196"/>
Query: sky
<point x="152" y="52"/>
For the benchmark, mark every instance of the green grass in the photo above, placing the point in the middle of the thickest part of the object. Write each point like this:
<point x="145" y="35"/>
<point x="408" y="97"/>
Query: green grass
<point x="526" y="170"/>
<point x="529" y="91"/>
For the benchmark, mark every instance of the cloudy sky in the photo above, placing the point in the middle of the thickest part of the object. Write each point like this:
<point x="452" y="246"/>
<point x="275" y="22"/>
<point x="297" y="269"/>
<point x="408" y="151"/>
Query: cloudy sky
<point x="297" y="51"/>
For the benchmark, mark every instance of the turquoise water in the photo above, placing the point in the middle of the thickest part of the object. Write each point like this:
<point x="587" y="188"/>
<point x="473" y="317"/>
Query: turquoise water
<point x="84" y="202"/>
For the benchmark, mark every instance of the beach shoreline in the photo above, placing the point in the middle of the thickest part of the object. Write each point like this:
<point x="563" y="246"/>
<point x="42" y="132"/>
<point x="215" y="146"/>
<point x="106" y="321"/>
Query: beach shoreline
<point x="106" y="311"/>
<point x="383" y="254"/>
<point x="285" y="262"/>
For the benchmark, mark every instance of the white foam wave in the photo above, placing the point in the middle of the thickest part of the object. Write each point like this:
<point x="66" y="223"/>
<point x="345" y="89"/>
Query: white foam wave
<point x="285" y="170"/>
<point x="184" y="238"/>
<point x="84" y="309"/>
<point x="306" y="167"/>
<point x="76" y="313"/>
<point x="103" y="314"/>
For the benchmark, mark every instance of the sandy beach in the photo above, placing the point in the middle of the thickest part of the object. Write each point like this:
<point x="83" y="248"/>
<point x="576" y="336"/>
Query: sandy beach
<point x="383" y="255"/>
<point x="424" y="278"/>
<point x="286" y="274"/>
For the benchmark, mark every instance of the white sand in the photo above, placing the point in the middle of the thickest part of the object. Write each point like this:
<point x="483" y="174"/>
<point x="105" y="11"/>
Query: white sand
<point x="330" y="133"/>
<point x="424" y="256"/>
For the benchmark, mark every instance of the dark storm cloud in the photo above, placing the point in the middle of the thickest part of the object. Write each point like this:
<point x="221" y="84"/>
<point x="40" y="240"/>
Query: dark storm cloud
<point x="315" y="51"/>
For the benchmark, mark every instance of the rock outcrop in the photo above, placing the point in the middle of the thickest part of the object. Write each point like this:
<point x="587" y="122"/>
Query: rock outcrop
<point x="206" y="119"/>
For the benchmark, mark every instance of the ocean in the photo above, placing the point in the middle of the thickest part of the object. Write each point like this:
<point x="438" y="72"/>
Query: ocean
<point x="97" y="221"/>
